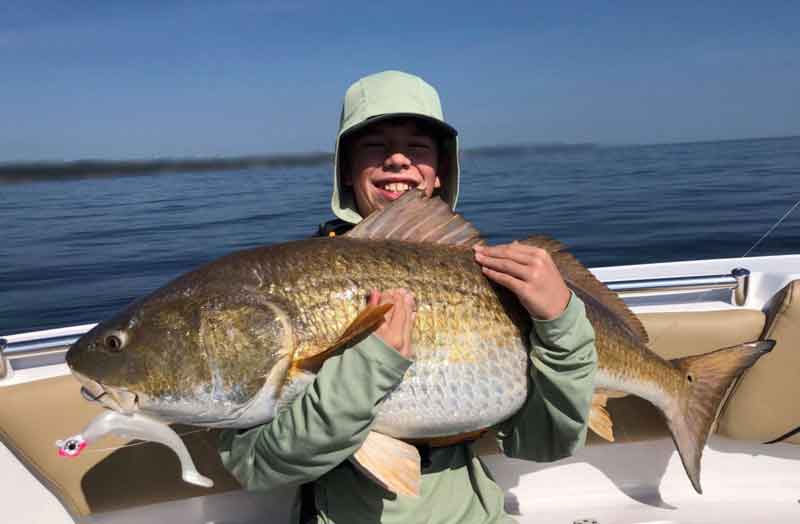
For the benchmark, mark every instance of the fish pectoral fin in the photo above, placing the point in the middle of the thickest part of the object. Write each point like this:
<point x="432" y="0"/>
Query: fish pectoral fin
<point x="392" y="463"/>
<point x="599" y="419"/>
<point x="370" y="318"/>
<point x="367" y="320"/>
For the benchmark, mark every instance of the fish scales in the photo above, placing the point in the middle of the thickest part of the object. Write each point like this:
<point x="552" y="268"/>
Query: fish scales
<point x="627" y="364"/>
<point x="470" y="368"/>
<point x="326" y="300"/>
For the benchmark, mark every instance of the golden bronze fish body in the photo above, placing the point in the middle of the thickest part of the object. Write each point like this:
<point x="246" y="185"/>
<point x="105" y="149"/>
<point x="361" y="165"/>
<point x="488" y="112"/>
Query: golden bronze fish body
<point x="210" y="342"/>
<point x="229" y="343"/>
<point x="626" y="364"/>
<point x="469" y="338"/>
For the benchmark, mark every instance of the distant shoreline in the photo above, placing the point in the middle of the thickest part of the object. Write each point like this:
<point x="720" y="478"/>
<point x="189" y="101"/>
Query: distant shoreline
<point x="78" y="169"/>
<point x="32" y="171"/>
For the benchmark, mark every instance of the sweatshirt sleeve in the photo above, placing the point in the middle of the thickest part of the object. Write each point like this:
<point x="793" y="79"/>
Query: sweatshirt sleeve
<point x="323" y="426"/>
<point x="553" y="421"/>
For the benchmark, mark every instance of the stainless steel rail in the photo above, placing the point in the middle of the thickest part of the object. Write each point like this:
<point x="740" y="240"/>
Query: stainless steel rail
<point x="37" y="348"/>
<point x="737" y="280"/>
<point x="52" y="344"/>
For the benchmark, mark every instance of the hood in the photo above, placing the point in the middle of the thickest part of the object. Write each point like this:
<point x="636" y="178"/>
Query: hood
<point x="385" y="95"/>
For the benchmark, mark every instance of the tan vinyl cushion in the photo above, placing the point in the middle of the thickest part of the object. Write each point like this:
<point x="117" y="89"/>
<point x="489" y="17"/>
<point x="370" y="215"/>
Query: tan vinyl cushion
<point x="677" y="335"/>
<point x="33" y="416"/>
<point x="765" y="404"/>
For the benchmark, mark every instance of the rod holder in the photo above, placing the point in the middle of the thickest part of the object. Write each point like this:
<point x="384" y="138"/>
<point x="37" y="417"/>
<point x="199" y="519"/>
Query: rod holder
<point x="4" y="367"/>
<point x="742" y="277"/>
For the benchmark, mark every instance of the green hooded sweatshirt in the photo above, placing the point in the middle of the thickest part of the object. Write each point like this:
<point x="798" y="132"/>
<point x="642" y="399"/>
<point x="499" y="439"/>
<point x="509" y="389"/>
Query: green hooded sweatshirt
<point x="312" y="439"/>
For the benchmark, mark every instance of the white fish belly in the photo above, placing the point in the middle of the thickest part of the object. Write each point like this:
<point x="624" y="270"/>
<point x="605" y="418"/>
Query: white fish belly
<point x="204" y="410"/>
<point x="441" y="395"/>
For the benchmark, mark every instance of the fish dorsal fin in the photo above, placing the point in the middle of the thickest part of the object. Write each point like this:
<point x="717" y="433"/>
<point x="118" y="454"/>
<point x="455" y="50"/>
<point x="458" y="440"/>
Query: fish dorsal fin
<point x="392" y="463"/>
<point x="586" y="285"/>
<point x="367" y="320"/>
<point x="414" y="217"/>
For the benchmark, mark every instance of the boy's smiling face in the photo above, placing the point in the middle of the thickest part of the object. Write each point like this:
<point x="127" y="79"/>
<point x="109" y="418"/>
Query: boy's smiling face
<point x="387" y="159"/>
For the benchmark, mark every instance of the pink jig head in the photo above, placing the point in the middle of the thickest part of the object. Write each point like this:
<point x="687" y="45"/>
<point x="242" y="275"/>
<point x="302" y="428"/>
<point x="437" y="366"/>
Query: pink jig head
<point x="72" y="446"/>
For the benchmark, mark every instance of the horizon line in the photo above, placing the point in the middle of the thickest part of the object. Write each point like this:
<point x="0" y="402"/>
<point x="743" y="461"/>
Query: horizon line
<point x="31" y="170"/>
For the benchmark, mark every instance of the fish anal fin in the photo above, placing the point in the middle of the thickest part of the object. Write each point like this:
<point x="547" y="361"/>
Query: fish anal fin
<point x="610" y="393"/>
<point x="599" y="419"/>
<point x="415" y="217"/>
<point x="706" y="380"/>
<point x="368" y="319"/>
<point x="391" y="463"/>
<point x="587" y="286"/>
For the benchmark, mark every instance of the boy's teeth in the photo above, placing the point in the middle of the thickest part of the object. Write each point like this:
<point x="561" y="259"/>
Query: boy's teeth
<point x="397" y="187"/>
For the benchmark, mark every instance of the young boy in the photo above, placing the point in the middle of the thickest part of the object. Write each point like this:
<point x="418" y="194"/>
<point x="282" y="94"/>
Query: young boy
<point x="392" y="139"/>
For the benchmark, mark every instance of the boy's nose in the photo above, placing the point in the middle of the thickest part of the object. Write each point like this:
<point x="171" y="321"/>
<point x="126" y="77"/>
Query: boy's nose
<point x="397" y="161"/>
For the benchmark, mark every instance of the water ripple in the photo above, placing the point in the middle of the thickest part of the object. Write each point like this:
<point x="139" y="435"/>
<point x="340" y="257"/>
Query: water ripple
<point x="75" y="251"/>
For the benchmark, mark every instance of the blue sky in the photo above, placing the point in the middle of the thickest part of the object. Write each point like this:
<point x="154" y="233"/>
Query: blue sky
<point x="153" y="79"/>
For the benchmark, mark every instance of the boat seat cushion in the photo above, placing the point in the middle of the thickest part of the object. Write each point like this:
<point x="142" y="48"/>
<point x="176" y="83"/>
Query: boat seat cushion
<point x="105" y="476"/>
<point x="683" y="334"/>
<point x="764" y="403"/>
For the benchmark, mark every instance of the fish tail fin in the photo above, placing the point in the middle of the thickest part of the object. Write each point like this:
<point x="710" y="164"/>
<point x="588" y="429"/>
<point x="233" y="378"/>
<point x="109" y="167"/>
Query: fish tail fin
<point x="707" y="378"/>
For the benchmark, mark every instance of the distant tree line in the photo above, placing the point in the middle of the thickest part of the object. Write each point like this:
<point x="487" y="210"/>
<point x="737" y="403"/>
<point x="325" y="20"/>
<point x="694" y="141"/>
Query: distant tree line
<point x="31" y="171"/>
<point x="28" y="171"/>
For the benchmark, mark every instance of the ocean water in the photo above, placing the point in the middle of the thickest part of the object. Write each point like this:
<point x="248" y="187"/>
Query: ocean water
<point x="75" y="251"/>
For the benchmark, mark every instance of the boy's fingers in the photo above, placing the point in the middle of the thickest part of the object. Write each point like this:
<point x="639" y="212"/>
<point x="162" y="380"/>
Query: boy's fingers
<point x="505" y="265"/>
<point x="502" y="250"/>
<point x="374" y="297"/>
<point x="388" y="296"/>
<point x="409" y="324"/>
<point x="391" y="316"/>
<point x="507" y="281"/>
<point x="519" y="253"/>
<point x="396" y="330"/>
<point x="402" y="310"/>
<point x="402" y="300"/>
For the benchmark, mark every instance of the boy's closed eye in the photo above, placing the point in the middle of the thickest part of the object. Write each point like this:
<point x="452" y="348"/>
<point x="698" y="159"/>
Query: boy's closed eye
<point x="420" y="149"/>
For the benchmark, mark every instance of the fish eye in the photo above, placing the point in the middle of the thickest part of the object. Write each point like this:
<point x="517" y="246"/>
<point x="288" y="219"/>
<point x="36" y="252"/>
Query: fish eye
<point x="115" y="341"/>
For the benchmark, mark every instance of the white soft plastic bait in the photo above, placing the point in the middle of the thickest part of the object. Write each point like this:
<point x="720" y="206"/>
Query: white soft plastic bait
<point x="134" y="426"/>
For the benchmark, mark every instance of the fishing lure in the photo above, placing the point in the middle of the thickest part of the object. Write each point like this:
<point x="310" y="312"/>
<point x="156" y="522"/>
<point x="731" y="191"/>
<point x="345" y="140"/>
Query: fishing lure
<point x="136" y="426"/>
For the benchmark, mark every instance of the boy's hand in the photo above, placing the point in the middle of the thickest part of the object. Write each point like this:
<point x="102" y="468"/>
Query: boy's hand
<point x="396" y="329"/>
<point x="529" y="273"/>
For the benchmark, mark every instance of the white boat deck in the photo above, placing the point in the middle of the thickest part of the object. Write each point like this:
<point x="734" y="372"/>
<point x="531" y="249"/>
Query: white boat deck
<point x="644" y="482"/>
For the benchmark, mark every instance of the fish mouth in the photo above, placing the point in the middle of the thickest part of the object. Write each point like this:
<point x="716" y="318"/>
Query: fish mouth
<point x="116" y="399"/>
